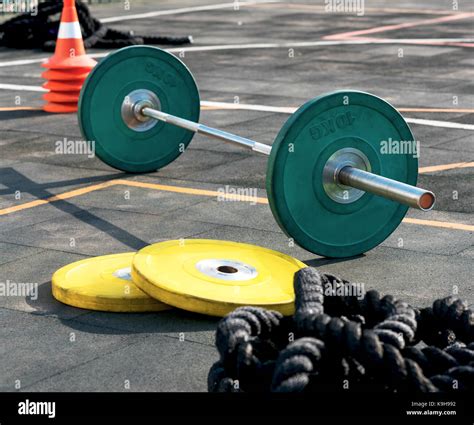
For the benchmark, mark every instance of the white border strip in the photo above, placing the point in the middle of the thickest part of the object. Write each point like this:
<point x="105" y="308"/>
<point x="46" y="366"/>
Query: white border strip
<point x="22" y="62"/>
<point x="416" y="41"/>
<point x="264" y="108"/>
<point x="21" y="87"/>
<point x="247" y="107"/>
<point x="224" y="47"/>
<point x="234" y="4"/>
<point x="444" y="124"/>
<point x="291" y="110"/>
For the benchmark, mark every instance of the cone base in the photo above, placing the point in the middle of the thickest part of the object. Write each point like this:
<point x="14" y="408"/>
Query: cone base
<point x="56" y="62"/>
<point x="64" y="86"/>
<point x="60" y="108"/>
<point x="70" y="75"/>
<point x="61" y="97"/>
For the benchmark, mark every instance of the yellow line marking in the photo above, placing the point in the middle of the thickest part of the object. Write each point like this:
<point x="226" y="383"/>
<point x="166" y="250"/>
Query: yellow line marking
<point x="445" y="167"/>
<point x="261" y="200"/>
<point x="201" y="192"/>
<point x="20" y="108"/>
<point x="443" y="224"/>
<point x="216" y="193"/>
<point x="192" y="191"/>
<point x="65" y="195"/>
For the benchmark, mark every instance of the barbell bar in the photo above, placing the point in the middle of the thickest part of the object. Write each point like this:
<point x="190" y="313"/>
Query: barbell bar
<point x="350" y="176"/>
<point x="330" y="186"/>
<point x="202" y="129"/>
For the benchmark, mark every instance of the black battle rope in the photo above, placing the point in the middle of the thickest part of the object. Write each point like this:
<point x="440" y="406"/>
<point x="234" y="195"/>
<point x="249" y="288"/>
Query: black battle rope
<point x="41" y="31"/>
<point x="342" y="342"/>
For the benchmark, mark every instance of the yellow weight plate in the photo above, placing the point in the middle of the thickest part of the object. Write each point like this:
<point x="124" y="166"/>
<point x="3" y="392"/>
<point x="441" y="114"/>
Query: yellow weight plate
<point x="102" y="283"/>
<point x="215" y="277"/>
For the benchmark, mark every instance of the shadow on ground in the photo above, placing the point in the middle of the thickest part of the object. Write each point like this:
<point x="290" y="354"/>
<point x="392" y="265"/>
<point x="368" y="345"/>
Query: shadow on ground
<point x="21" y="113"/>
<point x="323" y="261"/>
<point x="169" y="321"/>
<point x="14" y="180"/>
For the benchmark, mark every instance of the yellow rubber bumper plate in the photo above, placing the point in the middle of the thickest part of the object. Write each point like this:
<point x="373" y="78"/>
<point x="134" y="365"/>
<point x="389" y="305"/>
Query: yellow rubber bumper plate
<point x="102" y="283"/>
<point x="215" y="277"/>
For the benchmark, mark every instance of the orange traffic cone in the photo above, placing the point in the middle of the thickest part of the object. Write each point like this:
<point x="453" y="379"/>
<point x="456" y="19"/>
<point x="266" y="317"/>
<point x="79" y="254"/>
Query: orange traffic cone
<point x="60" y="108"/>
<point x="69" y="75"/>
<point x="69" y="52"/>
<point x="61" y="96"/>
<point x="69" y="66"/>
<point x="63" y="85"/>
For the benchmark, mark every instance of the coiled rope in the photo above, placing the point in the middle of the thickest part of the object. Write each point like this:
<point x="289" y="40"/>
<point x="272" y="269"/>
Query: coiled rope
<point x="344" y="343"/>
<point x="41" y="31"/>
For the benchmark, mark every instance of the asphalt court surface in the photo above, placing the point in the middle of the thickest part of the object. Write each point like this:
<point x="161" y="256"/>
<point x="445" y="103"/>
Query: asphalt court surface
<point x="55" y="208"/>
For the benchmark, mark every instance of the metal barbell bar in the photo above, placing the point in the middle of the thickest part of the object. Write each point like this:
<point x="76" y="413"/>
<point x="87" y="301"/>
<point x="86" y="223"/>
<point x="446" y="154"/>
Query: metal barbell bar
<point x="349" y="176"/>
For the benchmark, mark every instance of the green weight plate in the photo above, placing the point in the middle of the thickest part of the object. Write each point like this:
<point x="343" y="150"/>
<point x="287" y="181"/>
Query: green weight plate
<point x="108" y="85"/>
<point x="318" y="129"/>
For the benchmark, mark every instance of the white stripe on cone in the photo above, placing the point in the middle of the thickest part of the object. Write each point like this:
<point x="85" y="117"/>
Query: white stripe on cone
<point x="69" y="30"/>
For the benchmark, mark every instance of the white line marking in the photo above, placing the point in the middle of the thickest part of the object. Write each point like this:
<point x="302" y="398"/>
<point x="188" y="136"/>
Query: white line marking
<point x="184" y="10"/>
<point x="21" y="87"/>
<point x="415" y="41"/>
<point x="264" y="108"/>
<point x="246" y="107"/>
<point x="21" y="62"/>
<point x="291" y="110"/>
<point x="445" y="124"/>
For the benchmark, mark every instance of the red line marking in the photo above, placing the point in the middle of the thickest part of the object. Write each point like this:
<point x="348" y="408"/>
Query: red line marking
<point x="425" y="42"/>
<point x="384" y="28"/>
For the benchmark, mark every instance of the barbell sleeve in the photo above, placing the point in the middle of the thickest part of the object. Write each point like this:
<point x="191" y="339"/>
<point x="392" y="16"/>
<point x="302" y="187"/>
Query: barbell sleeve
<point x="403" y="193"/>
<point x="349" y="176"/>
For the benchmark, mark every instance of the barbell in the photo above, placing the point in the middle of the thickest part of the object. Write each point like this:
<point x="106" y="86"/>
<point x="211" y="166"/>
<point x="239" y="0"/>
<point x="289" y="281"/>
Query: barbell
<point x="341" y="172"/>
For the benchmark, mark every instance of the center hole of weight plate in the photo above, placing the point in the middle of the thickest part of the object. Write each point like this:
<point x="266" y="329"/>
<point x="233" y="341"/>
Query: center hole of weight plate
<point x="124" y="274"/>
<point x="131" y="108"/>
<point x="227" y="269"/>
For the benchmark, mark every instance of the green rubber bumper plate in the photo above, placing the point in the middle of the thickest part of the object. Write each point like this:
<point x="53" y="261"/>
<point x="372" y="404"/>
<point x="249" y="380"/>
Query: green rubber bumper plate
<point x="318" y="129"/>
<point x="111" y="81"/>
